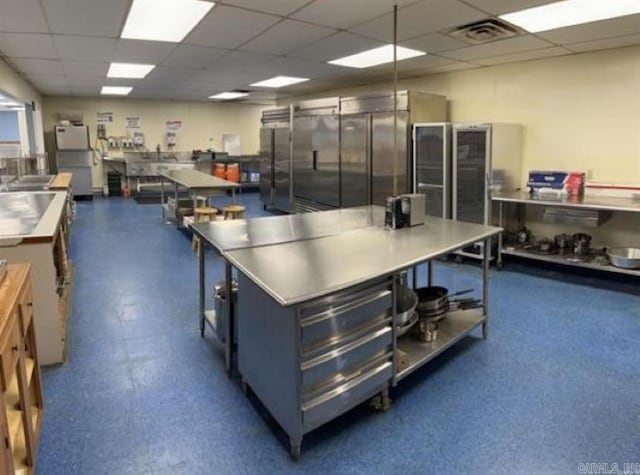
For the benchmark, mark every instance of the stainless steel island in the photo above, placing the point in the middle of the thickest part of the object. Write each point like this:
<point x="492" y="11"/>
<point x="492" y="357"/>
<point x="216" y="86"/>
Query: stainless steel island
<point x="316" y="329"/>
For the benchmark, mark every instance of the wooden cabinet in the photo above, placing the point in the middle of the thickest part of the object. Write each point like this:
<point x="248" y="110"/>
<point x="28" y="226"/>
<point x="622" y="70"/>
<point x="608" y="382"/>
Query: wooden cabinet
<point x="21" y="401"/>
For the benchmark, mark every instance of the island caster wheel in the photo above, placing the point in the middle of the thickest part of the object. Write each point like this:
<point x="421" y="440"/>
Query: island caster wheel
<point x="499" y="265"/>
<point x="295" y="450"/>
<point x="380" y="403"/>
<point x="458" y="259"/>
<point x="485" y="331"/>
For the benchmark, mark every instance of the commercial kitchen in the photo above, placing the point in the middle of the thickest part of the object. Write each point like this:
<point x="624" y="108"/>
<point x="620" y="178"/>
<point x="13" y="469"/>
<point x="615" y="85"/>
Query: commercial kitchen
<point x="319" y="236"/>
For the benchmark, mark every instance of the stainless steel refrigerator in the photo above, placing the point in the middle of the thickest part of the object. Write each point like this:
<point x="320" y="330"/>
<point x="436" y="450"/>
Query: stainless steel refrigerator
<point x="432" y="166"/>
<point x="74" y="155"/>
<point x="367" y="143"/>
<point x="275" y="160"/>
<point x="316" y="155"/>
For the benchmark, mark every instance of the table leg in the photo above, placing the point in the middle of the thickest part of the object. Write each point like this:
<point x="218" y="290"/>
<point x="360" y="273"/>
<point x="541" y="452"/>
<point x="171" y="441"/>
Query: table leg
<point x="485" y="286"/>
<point x="414" y="275"/>
<point x="394" y="306"/>
<point x="201" y="272"/>
<point x="501" y="224"/>
<point x="233" y="195"/>
<point x="429" y="273"/>
<point x="162" y="196"/>
<point x="230" y="337"/>
<point x="175" y="211"/>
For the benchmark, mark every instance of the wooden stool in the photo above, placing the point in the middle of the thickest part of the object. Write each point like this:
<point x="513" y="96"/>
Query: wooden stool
<point x="200" y="215"/>
<point x="233" y="211"/>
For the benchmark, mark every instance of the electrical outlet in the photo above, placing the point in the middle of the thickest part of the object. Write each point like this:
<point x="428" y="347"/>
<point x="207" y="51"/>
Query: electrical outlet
<point x="171" y="139"/>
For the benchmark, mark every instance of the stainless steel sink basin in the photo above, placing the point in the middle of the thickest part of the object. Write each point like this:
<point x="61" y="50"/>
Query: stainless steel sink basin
<point x="46" y="179"/>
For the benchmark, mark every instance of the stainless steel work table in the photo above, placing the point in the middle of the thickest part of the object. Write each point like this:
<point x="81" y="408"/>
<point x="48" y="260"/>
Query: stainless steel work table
<point x="196" y="183"/>
<point x="299" y="283"/>
<point x="30" y="216"/>
<point x="234" y="234"/>
<point x="598" y="203"/>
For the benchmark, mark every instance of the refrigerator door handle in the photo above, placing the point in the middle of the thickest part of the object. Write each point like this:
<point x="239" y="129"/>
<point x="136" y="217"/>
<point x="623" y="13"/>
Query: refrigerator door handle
<point x="315" y="159"/>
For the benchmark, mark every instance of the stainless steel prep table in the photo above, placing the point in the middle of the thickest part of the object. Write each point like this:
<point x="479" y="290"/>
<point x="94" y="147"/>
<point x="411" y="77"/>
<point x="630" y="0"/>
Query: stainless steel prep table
<point x="196" y="183"/>
<point x="600" y="203"/>
<point x="315" y="314"/>
<point x="249" y="233"/>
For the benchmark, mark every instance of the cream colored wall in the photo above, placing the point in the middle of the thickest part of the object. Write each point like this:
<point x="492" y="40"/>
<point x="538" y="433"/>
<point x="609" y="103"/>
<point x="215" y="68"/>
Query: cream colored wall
<point x="203" y="124"/>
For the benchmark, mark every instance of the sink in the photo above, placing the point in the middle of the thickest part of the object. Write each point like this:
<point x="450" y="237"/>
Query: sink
<point x="45" y="179"/>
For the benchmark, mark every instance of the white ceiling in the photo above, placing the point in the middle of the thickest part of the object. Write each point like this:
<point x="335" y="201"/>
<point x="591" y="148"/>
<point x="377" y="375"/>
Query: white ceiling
<point x="65" y="46"/>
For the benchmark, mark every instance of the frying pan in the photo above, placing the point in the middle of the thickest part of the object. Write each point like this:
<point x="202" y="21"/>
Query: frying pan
<point x="435" y="299"/>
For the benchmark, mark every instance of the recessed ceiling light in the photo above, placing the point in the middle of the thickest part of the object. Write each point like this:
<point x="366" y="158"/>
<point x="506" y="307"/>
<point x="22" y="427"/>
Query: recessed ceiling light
<point x="129" y="70"/>
<point x="279" y="81"/>
<point x="569" y="13"/>
<point x="229" y="95"/>
<point x="164" y="20"/>
<point x="376" y="56"/>
<point x="116" y="90"/>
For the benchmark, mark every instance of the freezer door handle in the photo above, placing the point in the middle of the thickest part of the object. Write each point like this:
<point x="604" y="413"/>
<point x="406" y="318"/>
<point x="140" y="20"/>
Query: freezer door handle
<point x="315" y="159"/>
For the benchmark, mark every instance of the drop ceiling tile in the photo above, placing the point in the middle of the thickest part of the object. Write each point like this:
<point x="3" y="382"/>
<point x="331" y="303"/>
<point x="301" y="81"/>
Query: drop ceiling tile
<point x="84" y="81"/>
<point x="495" y="48"/>
<point x="54" y="90"/>
<point x="308" y="69"/>
<point x="85" y="48"/>
<point x="242" y="61"/>
<point x="38" y="66"/>
<point x="166" y="72"/>
<point x="48" y="79"/>
<point x="448" y="68"/>
<point x="85" y="68"/>
<point x="195" y="57"/>
<point x="434" y="43"/>
<point x="276" y="7"/>
<point x="86" y="17"/>
<point x="27" y="45"/>
<point x="343" y="14"/>
<point x="229" y="27"/>
<point x="335" y="46"/>
<point x="506" y="6"/>
<point x="594" y="31"/>
<point x="526" y="56"/>
<point x="420" y="63"/>
<point x="139" y="51"/>
<point x="84" y="90"/>
<point x="243" y="79"/>
<point x="23" y="16"/>
<point x="420" y="18"/>
<point x="286" y="36"/>
<point x="607" y="43"/>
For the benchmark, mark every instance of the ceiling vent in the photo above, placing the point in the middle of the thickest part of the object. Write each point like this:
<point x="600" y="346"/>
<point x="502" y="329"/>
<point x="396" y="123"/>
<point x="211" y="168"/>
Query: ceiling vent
<point x="484" y="31"/>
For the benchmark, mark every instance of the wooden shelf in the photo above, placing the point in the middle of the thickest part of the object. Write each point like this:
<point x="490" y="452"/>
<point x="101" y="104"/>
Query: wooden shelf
<point x="20" y="454"/>
<point x="29" y="365"/>
<point x="13" y="393"/>
<point x="14" y="418"/>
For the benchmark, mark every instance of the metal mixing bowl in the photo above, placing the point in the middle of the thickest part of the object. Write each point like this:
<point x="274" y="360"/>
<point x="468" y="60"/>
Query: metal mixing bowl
<point x="625" y="257"/>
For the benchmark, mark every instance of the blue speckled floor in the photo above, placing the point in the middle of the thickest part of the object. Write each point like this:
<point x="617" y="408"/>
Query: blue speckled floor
<point x="556" y="384"/>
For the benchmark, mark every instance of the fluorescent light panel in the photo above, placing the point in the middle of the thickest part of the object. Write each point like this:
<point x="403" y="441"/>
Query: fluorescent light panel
<point x="376" y="56"/>
<point x="116" y="90"/>
<point x="229" y="95"/>
<point x="129" y="70"/>
<point x="164" y="20"/>
<point x="279" y="81"/>
<point x="570" y="13"/>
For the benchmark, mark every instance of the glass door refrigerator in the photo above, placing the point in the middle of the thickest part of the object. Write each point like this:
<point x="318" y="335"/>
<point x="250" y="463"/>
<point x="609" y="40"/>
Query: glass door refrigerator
<point x="487" y="157"/>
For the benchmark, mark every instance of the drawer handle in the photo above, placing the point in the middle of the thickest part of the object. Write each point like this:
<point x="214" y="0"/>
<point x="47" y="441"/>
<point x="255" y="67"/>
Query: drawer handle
<point x="334" y="312"/>
<point x="344" y="349"/>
